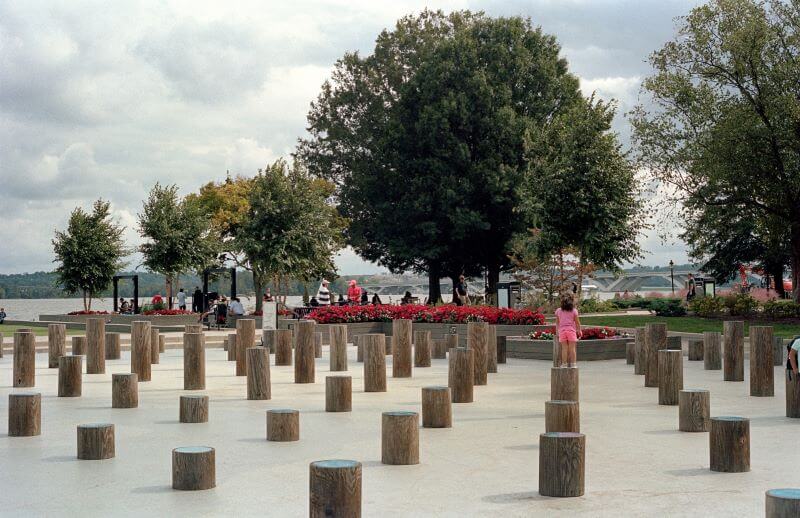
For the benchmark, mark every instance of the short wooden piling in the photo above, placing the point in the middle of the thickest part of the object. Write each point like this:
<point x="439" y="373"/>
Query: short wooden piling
<point x="670" y="376"/>
<point x="436" y="407"/>
<point x="338" y="393"/>
<point x="655" y="340"/>
<point x="461" y="374"/>
<point x="562" y="464"/>
<point x="782" y="503"/>
<point x="562" y="416"/>
<point x="283" y="347"/>
<point x="113" y="347"/>
<point x="24" y="414"/>
<point x="193" y="468"/>
<point x="694" y="410"/>
<point x="70" y="372"/>
<point x="400" y="438"/>
<point x="733" y="350"/>
<point x="283" y="424"/>
<point x="193" y="408"/>
<point x="124" y="390"/>
<point x="476" y="340"/>
<point x="338" y="348"/>
<point x="245" y="338"/>
<point x="335" y="489"/>
<point x="96" y="441"/>
<point x="729" y="444"/>
<point x="695" y="352"/>
<point x="374" y="346"/>
<point x="564" y="384"/>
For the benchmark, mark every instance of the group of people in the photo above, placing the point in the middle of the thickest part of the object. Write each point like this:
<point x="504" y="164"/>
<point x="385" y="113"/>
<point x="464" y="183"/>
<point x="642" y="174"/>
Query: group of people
<point x="355" y="295"/>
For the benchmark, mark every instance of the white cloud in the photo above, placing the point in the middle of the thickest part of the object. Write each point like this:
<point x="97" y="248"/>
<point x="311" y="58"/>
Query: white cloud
<point x="105" y="99"/>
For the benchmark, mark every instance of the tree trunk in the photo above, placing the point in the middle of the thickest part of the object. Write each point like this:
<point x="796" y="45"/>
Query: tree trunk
<point x="434" y="288"/>
<point x="492" y="278"/>
<point x="86" y="301"/>
<point x="258" y="285"/>
<point x="169" y="291"/>
<point x="776" y="272"/>
<point x="795" y="262"/>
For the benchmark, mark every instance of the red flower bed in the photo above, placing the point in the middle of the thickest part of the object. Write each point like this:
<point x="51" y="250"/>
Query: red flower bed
<point x="419" y="313"/>
<point x="90" y="312"/>
<point x="587" y="333"/>
<point x="167" y="312"/>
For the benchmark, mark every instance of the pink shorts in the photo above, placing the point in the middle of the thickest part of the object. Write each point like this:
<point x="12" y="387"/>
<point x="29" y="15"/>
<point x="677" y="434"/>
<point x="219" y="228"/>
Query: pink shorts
<point x="567" y="335"/>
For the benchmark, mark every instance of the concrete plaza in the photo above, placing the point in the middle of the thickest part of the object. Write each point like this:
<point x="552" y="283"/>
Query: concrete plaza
<point x="637" y="462"/>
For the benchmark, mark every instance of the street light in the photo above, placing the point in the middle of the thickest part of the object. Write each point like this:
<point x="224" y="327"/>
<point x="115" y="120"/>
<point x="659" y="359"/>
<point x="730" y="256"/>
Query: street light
<point x="672" y="275"/>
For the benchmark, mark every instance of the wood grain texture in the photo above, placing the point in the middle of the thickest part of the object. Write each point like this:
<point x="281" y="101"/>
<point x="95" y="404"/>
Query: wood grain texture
<point x="452" y="342"/>
<point x="124" y="390"/>
<point x="562" y="416"/>
<point x="400" y="438"/>
<point x="56" y="344"/>
<point x="729" y="444"/>
<point x="193" y="409"/>
<point x="401" y="348"/>
<point x="436" y="407"/>
<point x="712" y="351"/>
<point x="338" y="348"/>
<point x="762" y="368"/>
<point x="630" y="353"/>
<point x="318" y="344"/>
<point x="96" y="441"/>
<point x="231" y="347"/>
<point x="78" y="345"/>
<point x="477" y="335"/>
<point x="24" y="360"/>
<point x="283" y="424"/>
<point x="374" y="346"/>
<point x="338" y="393"/>
<point x="793" y="396"/>
<point x="283" y="347"/>
<point x="194" y="361"/>
<point x="259" y="385"/>
<point x="422" y="348"/>
<point x="70" y="376"/>
<point x="439" y="349"/>
<point x="564" y="384"/>
<point x="268" y="339"/>
<point x="245" y="338"/>
<point x="155" y="352"/>
<point x="501" y="349"/>
<point x="778" y="351"/>
<point x="304" y="351"/>
<point x="193" y="468"/>
<point x="95" y="346"/>
<point x="491" y="349"/>
<point x="140" y="349"/>
<point x="335" y="489"/>
<point x="782" y="503"/>
<point x="670" y="376"/>
<point x="162" y="343"/>
<point x="24" y="414"/>
<point x="694" y="410"/>
<point x="113" y="347"/>
<point x="562" y="462"/>
<point x="733" y="350"/>
<point x="640" y="359"/>
<point x="695" y="352"/>
<point x="193" y="328"/>
<point x="461" y="374"/>
<point x="655" y="340"/>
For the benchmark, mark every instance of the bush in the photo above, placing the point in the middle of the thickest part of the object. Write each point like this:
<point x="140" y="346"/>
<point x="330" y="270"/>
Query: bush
<point x="668" y="308"/>
<point x="781" y="309"/>
<point x="417" y="313"/>
<point x="707" y="306"/>
<point x="593" y="305"/>
<point x="740" y="304"/>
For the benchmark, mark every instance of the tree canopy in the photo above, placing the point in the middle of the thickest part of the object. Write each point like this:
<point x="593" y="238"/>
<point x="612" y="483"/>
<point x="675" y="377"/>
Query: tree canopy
<point x="425" y="138"/>
<point x="89" y="251"/>
<point x="724" y="132"/>
<point x="177" y="235"/>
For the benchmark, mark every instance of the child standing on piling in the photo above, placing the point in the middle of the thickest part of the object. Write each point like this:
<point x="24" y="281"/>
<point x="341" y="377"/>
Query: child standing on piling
<point x="568" y="327"/>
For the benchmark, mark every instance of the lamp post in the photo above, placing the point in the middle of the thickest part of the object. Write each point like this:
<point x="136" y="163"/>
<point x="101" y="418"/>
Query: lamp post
<point x="672" y="275"/>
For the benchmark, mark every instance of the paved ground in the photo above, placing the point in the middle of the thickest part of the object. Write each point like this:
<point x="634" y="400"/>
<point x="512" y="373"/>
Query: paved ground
<point x="638" y="464"/>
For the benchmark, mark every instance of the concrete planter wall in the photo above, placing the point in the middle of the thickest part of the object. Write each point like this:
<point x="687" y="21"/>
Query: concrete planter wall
<point x="588" y="350"/>
<point x="438" y="331"/>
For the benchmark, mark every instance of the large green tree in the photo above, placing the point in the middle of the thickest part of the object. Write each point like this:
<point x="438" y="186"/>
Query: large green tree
<point x="177" y="235"/>
<point x="425" y="139"/>
<point x="582" y="192"/>
<point x="89" y="251"/>
<point x="723" y="133"/>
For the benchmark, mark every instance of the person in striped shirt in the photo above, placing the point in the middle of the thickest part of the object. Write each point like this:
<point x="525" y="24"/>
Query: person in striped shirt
<point x="323" y="294"/>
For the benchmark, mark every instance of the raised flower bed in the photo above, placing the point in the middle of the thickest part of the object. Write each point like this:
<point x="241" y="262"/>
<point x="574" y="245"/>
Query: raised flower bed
<point x="448" y="314"/>
<point x="597" y="343"/>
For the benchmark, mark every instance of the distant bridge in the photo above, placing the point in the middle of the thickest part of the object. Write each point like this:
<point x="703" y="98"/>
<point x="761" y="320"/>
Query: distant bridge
<point x="636" y="281"/>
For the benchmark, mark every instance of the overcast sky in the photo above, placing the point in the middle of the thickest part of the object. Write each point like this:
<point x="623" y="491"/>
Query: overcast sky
<point x="103" y="99"/>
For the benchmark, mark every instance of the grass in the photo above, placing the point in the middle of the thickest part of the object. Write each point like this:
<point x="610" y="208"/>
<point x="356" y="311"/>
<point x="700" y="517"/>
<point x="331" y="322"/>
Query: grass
<point x="688" y="324"/>
<point x="8" y="330"/>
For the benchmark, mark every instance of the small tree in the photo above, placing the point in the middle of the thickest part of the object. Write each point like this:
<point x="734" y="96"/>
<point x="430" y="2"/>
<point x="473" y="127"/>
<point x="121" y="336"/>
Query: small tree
<point x="582" y="191"/>
<point x="177" y="233"/>
<point x="89" y="251"/>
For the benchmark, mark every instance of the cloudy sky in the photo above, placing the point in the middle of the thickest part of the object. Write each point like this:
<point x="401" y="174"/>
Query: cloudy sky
<point x="103" y="99"/>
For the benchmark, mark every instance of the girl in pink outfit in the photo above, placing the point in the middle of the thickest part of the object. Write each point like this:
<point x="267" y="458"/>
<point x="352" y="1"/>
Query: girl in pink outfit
<point x="568" y="327"/>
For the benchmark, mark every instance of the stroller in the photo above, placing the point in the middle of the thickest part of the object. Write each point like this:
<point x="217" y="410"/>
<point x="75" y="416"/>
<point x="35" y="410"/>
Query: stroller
<point x="218" y="317"/>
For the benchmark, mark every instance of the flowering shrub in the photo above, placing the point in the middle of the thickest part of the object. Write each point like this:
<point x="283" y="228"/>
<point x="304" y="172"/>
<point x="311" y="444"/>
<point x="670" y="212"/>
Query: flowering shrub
<point x="164" y="312"/>
<point x="90" y="312"/>
<point x="420" y="313"/>
<point x="588" y="333"/>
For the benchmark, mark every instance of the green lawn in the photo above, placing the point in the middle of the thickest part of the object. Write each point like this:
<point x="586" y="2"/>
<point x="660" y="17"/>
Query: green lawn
<point x="685" y="324"/>
<point x="8" y="330"/>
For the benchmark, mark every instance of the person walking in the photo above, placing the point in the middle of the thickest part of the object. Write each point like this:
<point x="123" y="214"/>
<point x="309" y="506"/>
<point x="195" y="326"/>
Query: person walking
<point x="181" y="299"/>
<point x="568" y="327"/>
<point x="324" y="294"/>
<point x="692" y="288"/>
<point x="197" y="300"/>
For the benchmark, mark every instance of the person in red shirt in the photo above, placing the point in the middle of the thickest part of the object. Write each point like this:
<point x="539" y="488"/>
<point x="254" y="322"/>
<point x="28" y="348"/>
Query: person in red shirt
<point x="353" y="292"/>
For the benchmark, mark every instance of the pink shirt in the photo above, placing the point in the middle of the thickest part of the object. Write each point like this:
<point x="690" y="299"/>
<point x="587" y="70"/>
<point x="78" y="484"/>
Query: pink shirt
<point x="566" y="319"/>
